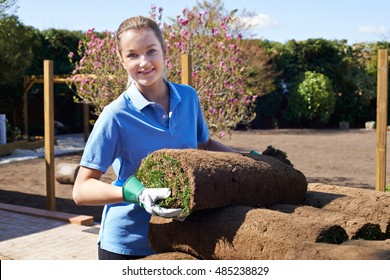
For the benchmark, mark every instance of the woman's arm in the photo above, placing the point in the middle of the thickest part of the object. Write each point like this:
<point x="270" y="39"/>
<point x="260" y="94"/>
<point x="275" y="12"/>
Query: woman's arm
<point x="213" y="145"/>
<point x="89" y="190"/>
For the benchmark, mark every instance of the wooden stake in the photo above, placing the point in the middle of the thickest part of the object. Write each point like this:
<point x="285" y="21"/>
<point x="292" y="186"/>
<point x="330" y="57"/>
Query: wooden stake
<point x="49" y="132"/>
<point x="26" y="87"/>
<point x="186" y="69"/>
<point x="381" y="120"/>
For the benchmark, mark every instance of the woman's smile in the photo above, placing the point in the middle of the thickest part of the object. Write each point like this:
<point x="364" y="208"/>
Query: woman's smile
<point x="145" y="71"/>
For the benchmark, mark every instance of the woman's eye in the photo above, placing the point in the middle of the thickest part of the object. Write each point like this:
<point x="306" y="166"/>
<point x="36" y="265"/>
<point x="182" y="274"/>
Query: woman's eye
<point x="132" y="55"/>
<point x="152" y="51"/>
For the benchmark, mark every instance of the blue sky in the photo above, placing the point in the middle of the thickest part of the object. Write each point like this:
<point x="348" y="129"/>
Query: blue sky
<point x="277" y="20"/>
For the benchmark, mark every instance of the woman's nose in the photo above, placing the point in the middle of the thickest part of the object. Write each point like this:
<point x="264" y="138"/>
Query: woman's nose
<point x="143" y="61"/>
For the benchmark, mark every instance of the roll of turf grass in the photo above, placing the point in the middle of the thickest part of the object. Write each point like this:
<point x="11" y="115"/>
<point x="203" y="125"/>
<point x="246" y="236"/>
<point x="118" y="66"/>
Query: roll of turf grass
<point x="201" y="179"/>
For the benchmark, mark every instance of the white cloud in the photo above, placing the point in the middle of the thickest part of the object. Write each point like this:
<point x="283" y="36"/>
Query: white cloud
<point x="259" y="21"/>
<point x="378" y="30"/>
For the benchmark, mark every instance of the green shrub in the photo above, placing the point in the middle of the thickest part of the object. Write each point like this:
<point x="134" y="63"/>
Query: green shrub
<point x="312" y="98"/>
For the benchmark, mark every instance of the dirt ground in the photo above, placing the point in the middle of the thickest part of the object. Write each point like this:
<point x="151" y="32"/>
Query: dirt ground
<point x="338" y="157"/>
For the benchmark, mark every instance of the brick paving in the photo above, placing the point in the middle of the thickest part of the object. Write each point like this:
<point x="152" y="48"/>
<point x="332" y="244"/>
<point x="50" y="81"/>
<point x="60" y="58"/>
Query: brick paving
<point x="26" y="237"/>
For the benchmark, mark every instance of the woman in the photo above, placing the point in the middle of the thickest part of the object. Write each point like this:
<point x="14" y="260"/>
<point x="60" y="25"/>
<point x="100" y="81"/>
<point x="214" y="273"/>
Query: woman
<point x="151" y="114"/>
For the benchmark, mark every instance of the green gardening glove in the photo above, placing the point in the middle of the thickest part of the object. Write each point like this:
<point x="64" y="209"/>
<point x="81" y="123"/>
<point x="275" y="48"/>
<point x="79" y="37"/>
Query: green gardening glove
<point x="134" y="191"/>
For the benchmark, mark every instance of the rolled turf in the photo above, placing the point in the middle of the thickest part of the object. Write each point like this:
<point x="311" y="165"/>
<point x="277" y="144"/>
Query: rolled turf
<point x="202" y="179"/>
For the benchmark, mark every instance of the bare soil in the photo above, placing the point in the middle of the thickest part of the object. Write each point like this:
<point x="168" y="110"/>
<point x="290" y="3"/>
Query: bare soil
<point x="336" y="157"/>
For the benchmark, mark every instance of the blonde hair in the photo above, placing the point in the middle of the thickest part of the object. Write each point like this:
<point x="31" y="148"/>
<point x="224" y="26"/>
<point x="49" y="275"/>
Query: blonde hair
<point x="138" y="23"/>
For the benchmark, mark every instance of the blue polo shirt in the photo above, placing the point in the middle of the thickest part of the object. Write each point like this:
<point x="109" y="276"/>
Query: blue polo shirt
<point x="126" y="131"/>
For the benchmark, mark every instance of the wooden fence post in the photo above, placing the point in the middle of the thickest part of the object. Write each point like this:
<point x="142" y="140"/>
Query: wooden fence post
<point x="48" y="89"/>
<point x="186" y="69"/>
<point x="381" y="120"/>
<point x="26" y="82"/>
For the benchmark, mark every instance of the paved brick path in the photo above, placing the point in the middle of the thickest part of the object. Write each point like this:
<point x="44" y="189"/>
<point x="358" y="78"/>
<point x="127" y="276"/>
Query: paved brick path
<point x="25" y="237"/>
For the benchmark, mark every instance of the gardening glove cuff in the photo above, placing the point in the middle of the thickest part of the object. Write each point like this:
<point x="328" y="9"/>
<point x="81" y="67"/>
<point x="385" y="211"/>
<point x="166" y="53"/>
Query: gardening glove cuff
<point x="132" y="189"/>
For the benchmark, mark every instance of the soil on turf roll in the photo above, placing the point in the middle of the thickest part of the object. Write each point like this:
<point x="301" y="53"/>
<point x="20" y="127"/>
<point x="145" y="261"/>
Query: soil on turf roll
<point x="170" y="256"/>
<point x="344" y="251"/>
<point x="203" y="179"/>
<point x="240" y="232"/>
<point x="358" y="202"/>
<point x="355" y="226"/>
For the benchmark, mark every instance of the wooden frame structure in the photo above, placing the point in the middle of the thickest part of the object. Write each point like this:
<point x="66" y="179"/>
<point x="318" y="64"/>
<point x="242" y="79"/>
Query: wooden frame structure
<point x="29" y="81"/>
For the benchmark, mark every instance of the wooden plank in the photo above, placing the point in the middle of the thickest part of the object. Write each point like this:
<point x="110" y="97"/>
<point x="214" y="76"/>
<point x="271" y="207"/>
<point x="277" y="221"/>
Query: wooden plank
<point x="59" y="79"/>
<point x="8" y="148"/>
<point x="48" y="90"/>
<point x="60" y="216"/>
<point x="381" y="119"/>
<point x="186" y="69"/>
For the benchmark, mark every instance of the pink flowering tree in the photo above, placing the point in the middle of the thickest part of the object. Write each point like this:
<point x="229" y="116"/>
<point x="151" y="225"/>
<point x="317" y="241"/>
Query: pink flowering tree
<point x="98" y="76"/>
<point x="217" y="67"/>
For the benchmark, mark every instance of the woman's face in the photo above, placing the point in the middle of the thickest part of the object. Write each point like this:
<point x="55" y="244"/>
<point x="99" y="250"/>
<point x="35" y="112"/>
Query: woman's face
<point x="142" y="56"/>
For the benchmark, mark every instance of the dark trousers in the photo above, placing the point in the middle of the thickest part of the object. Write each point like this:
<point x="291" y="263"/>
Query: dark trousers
<point x="107" y="255"/>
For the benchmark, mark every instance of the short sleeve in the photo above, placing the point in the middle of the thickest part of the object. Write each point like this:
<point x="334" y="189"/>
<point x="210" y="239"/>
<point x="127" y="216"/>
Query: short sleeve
<point x="104" y="142"/>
